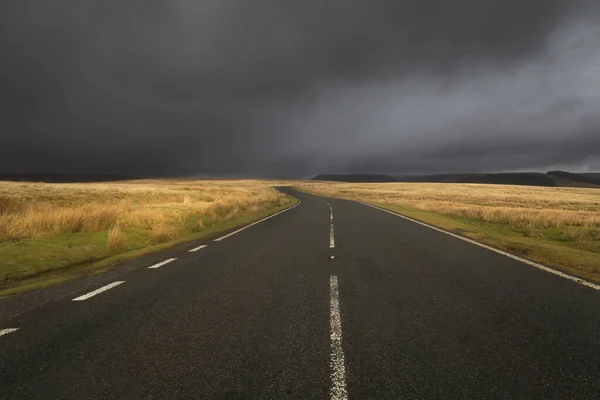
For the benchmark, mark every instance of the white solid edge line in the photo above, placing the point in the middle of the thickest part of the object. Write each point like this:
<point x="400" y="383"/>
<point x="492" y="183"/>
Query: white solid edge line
<point x="197" y="248"/>
<point x="160" y="264"/>
<point x="338" y="369"/>
<point x="504" y="253"/>
<point x="7" y="331"/>
<point x="331" y="237"/>
<point x="98" y="291"/>
<point x="257" y="222"/>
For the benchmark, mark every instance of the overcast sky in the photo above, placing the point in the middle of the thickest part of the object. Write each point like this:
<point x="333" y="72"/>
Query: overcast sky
<point x="293" y="88"/>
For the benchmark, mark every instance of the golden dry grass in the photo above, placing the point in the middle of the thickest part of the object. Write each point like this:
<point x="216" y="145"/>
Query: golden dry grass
<point x="116" y="240"/>
<point x="162" y="208"/>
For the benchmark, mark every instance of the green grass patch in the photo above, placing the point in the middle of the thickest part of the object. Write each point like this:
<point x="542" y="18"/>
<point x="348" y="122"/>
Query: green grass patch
<point x="34" y="263"/>
<point x="548" y="246"/>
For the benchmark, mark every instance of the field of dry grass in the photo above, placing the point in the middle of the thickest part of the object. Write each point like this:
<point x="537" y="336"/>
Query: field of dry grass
<point x="65" y="224"/>
<point x="517" y="206"/>
<point x="521" y="219"/>
<point x="163" y="208"/>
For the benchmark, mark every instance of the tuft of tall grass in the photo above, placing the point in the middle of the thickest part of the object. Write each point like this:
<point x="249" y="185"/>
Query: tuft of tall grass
<point x="164" y="233"/>
<point x="116" y="240"/>
<point x="197" y="225"/>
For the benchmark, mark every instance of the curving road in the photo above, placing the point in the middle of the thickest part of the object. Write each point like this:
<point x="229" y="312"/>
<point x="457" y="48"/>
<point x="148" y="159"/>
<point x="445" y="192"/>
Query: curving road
<point x="401" y="312"/>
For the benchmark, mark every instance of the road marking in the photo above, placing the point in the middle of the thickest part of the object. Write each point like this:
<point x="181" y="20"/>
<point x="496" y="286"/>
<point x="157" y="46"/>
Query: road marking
<point x="98" y="291"/>
<point x="160" y="264"/>
<point x="504" y="253"/>
<point x="7" y="331"/>
<point x="257" y="222"/>
<point x="331" y="237"/>
<point x="338" y="374"/>
<point x="197" y="248"/>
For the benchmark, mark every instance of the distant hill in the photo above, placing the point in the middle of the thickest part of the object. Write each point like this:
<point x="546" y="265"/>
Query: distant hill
<point x="524" y="178"/>
<point x="65" y="178"/>
<point x="594" y="175"/>
<point x="550" y="179"/>
<point x="439" y="178"/>
<point x="593" y="179"/>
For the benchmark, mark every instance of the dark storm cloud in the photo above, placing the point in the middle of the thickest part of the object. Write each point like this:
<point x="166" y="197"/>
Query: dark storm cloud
<point x="291" y="88"/>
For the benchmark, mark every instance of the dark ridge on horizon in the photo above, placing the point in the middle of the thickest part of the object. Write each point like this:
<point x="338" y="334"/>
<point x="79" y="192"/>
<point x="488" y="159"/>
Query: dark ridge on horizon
<point x="519" y="178"/>
<point x="438" y="178"/>
<point x="591" y="178"/>
<point x="66" y="178"/>
<point x="550" y="179"/>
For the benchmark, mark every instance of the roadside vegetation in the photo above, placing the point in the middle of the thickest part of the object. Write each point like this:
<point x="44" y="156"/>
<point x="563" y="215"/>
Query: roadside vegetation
<point x="555" y="226"/>
<point x="46" y="228"/>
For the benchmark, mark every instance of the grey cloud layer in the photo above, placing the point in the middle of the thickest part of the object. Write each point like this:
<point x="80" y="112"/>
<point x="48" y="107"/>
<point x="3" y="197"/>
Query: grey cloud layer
<point x="288" y="88"/>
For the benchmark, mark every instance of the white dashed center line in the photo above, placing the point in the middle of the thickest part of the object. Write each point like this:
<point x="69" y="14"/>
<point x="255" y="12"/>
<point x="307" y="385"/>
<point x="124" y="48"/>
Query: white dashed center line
<point x="331" y="237"/>
<point x="160" y="264"/>
<point x="7" y="331"/>
<point x="98" y="291"/>
<point x="197" y="248"/>
<point x="338" y="373"/>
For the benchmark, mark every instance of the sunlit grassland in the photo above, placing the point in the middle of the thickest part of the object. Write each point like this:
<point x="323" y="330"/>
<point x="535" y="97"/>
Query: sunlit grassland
<point x="46" y="228"/>
<point x="556" y="226"/>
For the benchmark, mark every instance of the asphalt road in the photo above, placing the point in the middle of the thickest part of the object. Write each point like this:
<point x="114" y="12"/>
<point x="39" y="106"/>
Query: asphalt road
<point x="402" y="312"/>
